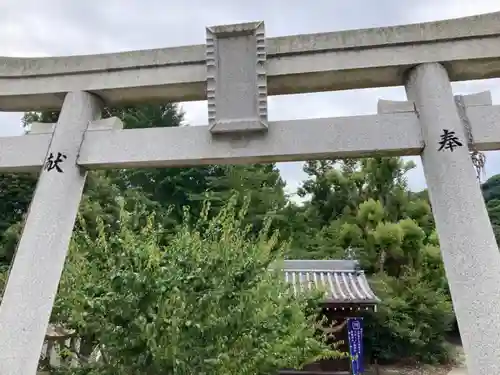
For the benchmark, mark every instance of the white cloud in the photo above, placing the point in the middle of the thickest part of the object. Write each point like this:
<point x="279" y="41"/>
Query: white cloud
<point x="60" y="27"/>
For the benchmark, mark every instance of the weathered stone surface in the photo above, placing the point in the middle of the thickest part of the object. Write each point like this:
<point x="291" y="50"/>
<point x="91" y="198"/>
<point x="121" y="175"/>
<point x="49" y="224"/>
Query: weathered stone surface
<point x="41" y="252"/>
<point x="468" y="245"/>
<point x="236" y="78"/>
<point x="351" y="59"/>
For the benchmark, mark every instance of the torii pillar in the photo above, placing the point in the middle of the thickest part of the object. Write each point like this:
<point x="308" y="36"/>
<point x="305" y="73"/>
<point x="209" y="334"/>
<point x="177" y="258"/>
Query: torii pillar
<point x="468" y="246"/>
<point x="41" y="252"/>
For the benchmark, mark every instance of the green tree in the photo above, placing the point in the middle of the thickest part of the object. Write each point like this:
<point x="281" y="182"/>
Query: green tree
<point x="171" y="189"/>
<point x="161" y="189"/>
<point x="491" y="193"/>
<point x="16" y="191"/>
<point x="364" y="209"/>
<point x="261" y="183"/>
<point x="207" y="303"/>
<point x="411" y="321"/>
<point x="153" y="190"/>
<point x="164" y="191"/>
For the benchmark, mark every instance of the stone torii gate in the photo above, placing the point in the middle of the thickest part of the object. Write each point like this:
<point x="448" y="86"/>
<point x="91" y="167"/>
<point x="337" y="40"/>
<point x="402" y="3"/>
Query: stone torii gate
<point x="235" y="71"/>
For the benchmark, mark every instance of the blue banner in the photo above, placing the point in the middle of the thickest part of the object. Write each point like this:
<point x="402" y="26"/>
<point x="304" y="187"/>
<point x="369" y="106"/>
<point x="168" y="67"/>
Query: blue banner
<point x="355" y="334"/>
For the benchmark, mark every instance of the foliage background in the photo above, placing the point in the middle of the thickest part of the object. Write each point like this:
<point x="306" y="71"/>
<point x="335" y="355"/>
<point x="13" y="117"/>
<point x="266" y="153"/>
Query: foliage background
<point x="205" y="303"/>
<point x="359" y="209"/>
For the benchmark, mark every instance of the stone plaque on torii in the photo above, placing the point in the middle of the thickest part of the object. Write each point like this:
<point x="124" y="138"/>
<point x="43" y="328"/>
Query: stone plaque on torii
<point x="235" y="71"/>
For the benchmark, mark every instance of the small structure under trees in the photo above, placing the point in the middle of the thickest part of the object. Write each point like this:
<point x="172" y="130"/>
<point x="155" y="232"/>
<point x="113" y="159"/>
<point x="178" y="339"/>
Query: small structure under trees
<point x="348" y="296"/>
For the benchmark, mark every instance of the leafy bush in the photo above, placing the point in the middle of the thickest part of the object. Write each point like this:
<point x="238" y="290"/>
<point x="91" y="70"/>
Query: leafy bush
<point x="412" y="320"/>
<point x="205" y="304"/>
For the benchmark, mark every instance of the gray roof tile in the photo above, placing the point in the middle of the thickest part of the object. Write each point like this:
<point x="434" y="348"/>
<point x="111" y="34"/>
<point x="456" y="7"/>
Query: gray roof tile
<point x="342" y="280"/>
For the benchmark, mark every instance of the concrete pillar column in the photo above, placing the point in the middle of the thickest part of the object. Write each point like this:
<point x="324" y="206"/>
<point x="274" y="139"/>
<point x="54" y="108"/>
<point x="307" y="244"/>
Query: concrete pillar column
<point x="468" y="246"/>
<point x="34" y="277"/>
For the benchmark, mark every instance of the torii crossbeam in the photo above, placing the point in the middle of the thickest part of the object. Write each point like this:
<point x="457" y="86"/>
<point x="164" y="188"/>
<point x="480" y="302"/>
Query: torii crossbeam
<point x="235" y="71"/>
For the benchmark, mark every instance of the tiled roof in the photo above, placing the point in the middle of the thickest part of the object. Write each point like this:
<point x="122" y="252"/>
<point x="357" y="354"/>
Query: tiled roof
<point x="344" y="282"/>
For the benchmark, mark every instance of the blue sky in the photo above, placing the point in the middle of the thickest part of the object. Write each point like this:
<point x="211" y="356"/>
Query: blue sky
<point x="60" y="27"/>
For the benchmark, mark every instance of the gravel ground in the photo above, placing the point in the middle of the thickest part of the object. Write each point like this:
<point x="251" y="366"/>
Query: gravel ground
<point x="424" y="370"/>
<point x="457" y="369"/>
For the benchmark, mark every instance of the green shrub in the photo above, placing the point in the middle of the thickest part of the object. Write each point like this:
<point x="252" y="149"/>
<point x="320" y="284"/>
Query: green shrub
<point x="412" y="320"/>
<point x="204" y="304"/>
